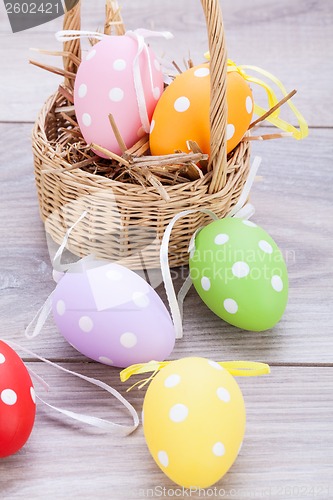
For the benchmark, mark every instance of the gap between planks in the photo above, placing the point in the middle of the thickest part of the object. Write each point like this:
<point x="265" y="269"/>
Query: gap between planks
<point x="277" y="364"/>
<point x="313" y="127"/>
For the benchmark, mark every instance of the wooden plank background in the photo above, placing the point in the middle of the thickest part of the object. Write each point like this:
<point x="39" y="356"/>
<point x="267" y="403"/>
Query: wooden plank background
<point x="287" y="452"/>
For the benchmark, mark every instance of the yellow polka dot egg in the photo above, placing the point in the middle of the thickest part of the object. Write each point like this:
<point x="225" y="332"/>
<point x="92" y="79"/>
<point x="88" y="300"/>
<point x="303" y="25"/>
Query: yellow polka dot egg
<point x="182" y="113"/>
<point x="194" y="421"/>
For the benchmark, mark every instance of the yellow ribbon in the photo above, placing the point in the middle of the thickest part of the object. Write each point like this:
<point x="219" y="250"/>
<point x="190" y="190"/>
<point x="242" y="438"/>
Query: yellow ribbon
<point x="297" y="133"/>
<point x="235" y="368"/>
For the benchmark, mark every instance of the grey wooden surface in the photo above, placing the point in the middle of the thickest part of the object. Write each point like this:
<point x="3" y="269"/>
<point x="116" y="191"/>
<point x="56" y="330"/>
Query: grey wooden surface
<point x="287" y="452"/>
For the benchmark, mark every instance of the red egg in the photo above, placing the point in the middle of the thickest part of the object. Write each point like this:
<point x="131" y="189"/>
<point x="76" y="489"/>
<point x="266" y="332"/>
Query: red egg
<point x="17" y="402"/>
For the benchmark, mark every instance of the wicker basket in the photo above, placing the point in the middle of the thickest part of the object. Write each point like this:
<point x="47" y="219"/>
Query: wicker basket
<point x="125" y="222"/>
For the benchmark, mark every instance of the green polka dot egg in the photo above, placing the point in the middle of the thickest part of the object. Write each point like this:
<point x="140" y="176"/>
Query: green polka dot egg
<point x="194" y="421"/>
<point x="240" y="274"/>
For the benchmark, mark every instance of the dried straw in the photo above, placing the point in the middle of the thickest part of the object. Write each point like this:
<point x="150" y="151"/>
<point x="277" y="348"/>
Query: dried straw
<point x="131" y="198"/>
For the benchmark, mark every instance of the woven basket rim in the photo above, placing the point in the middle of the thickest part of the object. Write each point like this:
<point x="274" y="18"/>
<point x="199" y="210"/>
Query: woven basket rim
<point x="217" y="160"/>
<point x="100" y="180"/>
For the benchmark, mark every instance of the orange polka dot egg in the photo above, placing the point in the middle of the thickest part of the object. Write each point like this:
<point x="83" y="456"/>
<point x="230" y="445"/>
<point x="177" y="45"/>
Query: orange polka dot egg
<point x="194" y="421"/>
<point x="182" y="113"/>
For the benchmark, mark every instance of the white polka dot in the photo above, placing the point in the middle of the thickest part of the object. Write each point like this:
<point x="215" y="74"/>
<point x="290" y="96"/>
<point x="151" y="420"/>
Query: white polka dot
<point x="205" y="283"/>
<point x="83" y="89"/>
<point x="182" y="104"/>
<point x="249" y="223"/>
<point x="156" y="93"/>
<point x="116" y="94"/>
<point x="105" y="360"/>
<point x="249" y="104"/>
<point x="61" y="307"/>
<point x="265" y="246"/>
<point x="152" y="125"/>
<point x="231" y="306"/>
<point x="230" y="131"/>
<point x="215" y="365"/>
<point x="201" y="72"/>
<point x="142" y="417"/>
<point x="9" y="397"/>
<point x="163" y="458"/>
<point x="157" y="65"/>
<point x="240" y="269"/>
<point x="86" y="324"/>
<point x="86" y="118"/>
<point x="141" y="132"/>
<point x="172" y="381"/>
<point x="178" y="413"/>
<point x="2" y="358"/>
<point x="91" y="54"/>
<point x="277" y="283"/>
<point x="140" y="299"/>
<point x="223" y="394"/>
<point x="114" y="275"/>
<point x="119" y="65"/>
<point x="218" y="449"/>
<point x="33" y="394"/>
<point x="221" y="239"/>
<point x="128" y="340"/>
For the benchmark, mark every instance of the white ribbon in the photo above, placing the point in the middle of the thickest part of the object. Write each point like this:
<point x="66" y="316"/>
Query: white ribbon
<point x="57" y="258"/>
<point x="106" y="425"/>
<point x="166" y="273"/>
<point x="139" y="35"/>
<point x="39" y="318"/>
<point x="247" y="187"/>
<point x="240" y="211"/>
<point x="185" y="288"/>
<point x="44" y="312"/>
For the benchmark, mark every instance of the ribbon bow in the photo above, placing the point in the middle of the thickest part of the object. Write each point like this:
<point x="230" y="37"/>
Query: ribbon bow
<point x="235" y="368"/>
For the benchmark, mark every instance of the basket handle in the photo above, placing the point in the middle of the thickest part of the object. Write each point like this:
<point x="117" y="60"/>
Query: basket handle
<point x="218" y="70"/>
<point x="218" y="99"/>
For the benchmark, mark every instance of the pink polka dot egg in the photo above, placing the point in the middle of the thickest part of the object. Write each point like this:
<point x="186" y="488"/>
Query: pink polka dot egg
<point x="112" y="315"/>
<point x="105" y="84"/>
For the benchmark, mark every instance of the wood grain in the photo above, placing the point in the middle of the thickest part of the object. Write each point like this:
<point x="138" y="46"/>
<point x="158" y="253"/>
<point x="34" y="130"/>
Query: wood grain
<point x="287" y="452"/>
<point x="299" y="219"/>
<point x="281" y="37"/>
<point x="289" y="417"/>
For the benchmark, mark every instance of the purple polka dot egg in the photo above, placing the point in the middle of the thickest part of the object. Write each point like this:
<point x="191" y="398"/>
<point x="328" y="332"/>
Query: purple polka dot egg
<point x="112" y="315"/>
<point x="105" y="84"/>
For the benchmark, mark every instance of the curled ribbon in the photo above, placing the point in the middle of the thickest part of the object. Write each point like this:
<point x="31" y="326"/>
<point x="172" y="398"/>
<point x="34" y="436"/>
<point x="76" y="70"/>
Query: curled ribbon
<point x="106" y="425"/>
<point x="274" y="119"/>
<point x="235" y="368"/>
<point x="242" y="210"/>
<point x="37" y="323"/>
<point x="140" y="36"/>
